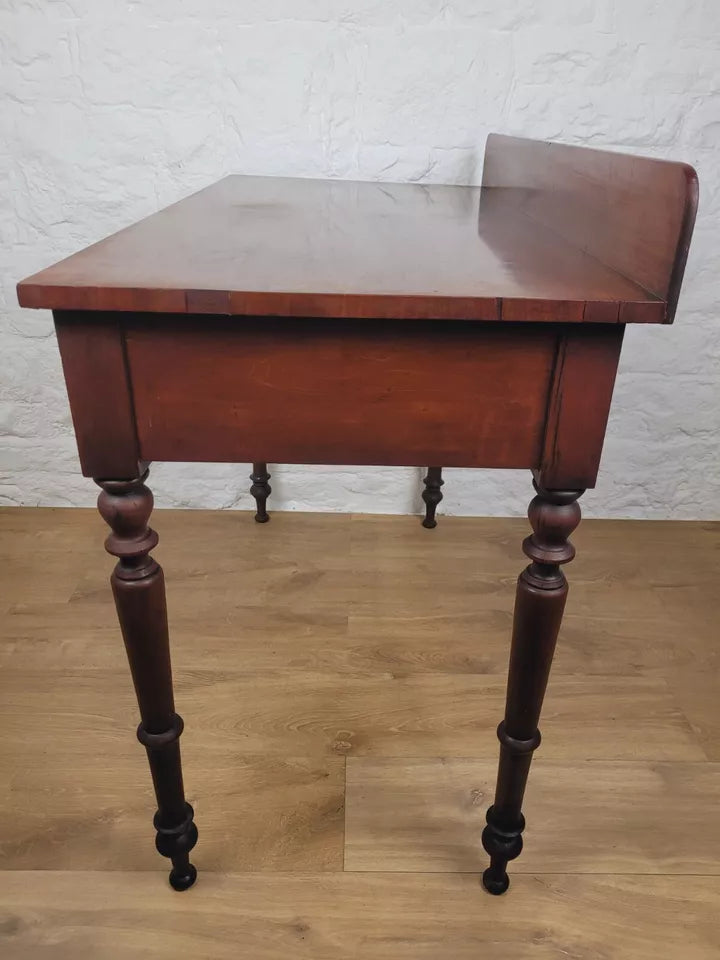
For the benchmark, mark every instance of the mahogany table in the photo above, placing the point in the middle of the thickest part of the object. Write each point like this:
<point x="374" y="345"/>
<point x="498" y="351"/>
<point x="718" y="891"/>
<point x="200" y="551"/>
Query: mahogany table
<point x="320" y="321"/>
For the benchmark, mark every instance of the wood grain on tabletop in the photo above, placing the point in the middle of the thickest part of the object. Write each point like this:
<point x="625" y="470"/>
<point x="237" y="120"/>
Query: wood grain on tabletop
<point x="331" y="248"/>
<point x="555" y="233"/>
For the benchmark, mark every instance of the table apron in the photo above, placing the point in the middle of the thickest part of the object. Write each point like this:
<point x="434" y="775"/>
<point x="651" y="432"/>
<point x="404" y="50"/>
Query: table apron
<point x="219" y="389"/>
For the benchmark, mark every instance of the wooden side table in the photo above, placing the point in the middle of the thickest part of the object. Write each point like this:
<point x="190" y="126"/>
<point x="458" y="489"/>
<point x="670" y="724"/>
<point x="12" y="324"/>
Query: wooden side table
<point x="310" y="321"/>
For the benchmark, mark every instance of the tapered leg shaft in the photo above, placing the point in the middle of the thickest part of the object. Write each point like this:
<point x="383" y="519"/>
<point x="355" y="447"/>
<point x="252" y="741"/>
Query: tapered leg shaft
<point x="432" y="495"/>
<point x="139" y="590"/>
<point x="539" y="604"/>
<point x="261" y="490"/>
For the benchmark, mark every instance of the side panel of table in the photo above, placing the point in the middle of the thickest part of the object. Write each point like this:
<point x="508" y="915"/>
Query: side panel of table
<point x="355" y="392"/>
<point x="203" y="388"/>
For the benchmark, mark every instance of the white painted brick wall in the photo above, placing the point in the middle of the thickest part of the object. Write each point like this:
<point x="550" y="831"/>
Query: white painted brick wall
<point x="112" y="110"/>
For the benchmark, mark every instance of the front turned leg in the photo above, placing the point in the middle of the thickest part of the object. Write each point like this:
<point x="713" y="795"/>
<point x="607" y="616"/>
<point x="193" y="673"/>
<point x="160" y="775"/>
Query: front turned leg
<point x="139" y="590"/>
<point x="261" y="490"/>
<point x="432" y="495"/>
<point x="539" y="604"/>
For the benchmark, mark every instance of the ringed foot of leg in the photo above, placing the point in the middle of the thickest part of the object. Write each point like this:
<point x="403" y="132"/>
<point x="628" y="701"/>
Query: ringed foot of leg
<point x="502" y="839"/>
<point x="176" y="842"/>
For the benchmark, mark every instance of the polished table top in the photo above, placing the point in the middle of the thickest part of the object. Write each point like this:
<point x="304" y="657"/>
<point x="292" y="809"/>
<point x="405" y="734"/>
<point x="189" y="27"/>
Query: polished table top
<point x="461" y="246"/>
<point x="293" y="247"/>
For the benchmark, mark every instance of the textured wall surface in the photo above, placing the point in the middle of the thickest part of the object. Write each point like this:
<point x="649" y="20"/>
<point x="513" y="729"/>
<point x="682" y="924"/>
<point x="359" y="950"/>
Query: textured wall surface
<point x="111" y="110"/>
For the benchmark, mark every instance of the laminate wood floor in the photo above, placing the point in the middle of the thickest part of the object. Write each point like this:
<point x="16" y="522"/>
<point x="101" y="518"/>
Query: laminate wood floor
<point x="341" y="678"/>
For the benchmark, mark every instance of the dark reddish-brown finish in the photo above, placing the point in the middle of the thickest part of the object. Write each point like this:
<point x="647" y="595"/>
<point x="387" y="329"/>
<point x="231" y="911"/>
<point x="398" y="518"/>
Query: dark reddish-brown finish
<point x="360" y="393"/>
<point x="539" y="604"/>
<point x="432" y="495"/>
<point x="260" y="490"/>
<point x="555" y="233"/>
<point x="267" y="317"/>
<point x="579" y="404"/>
<point x="139" y="589"/>
<point x="534" y="396"/>
<point x="92" y="348"/>
<point x="634" y="214"/>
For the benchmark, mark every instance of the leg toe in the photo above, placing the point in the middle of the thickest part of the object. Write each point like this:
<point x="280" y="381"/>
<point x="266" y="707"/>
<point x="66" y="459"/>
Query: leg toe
<point x="183" y="878"/>
<point x="494" y="884"/>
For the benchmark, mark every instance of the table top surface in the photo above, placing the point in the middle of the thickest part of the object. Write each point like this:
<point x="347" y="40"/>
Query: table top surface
<point x="331" y="248"/>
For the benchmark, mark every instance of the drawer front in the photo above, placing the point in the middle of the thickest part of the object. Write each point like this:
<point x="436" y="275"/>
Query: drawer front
<point x="339" y="392"/>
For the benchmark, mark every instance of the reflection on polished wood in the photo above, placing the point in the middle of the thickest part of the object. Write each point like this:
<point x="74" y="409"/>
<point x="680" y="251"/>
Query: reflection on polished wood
<point x="631" y="213"/>
<point x="532" y="238"/>
<point x="317" y="651"/>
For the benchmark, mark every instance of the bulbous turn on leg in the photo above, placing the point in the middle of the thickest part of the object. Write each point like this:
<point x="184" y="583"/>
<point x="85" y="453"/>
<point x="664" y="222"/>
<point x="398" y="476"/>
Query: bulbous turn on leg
<point x="261" y="490"/>
<point x="432" y="495"/>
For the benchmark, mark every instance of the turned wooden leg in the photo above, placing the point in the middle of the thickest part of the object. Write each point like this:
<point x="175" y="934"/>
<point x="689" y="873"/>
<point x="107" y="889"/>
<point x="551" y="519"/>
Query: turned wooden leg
<point x="539" y="603"/>
<point x="261" y="490"/>
<point x="432" y="495"/>
<point x="139" y="590"/>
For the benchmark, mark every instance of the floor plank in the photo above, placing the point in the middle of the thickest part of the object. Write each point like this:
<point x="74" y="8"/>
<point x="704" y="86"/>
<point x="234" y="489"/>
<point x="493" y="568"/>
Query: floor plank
<point x="42" y="553"/>
<point x="697" y="692"/>
<point x="593" y="817"/>
<point x="62" y="916"/>
<point x="298" y="713"/>
<point x="253" y="813"/>
<point x="289" y="593"/>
